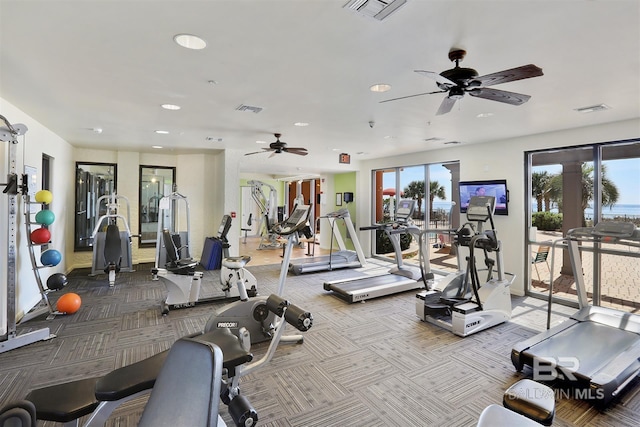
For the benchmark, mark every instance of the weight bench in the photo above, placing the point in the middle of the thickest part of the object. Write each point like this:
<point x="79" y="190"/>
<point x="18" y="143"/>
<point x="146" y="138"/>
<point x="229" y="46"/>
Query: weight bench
<point x="68" y="402"/>
<point x="98" y="397"/>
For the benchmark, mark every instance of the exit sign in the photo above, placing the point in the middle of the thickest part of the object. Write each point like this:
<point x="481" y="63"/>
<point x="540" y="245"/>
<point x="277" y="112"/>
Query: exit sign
<point x="345" y="158"/>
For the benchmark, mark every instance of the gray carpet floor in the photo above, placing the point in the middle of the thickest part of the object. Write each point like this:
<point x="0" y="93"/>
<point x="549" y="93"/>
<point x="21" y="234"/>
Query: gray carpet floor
<point x="372" y="363"/>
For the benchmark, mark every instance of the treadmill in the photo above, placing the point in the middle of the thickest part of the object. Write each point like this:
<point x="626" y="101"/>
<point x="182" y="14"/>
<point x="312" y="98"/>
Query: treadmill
<point x="597" y="350"/>
<point x="398" y="279"/>
<point x="342" y="258"/>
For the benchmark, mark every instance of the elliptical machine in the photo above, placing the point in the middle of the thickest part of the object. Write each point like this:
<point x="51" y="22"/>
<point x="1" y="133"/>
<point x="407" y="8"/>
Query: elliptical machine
<point x="459" y="302"/>
<point x="251" y="314"/>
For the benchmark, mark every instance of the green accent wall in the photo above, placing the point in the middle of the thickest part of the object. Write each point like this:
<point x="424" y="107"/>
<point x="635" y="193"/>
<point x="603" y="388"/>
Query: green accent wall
<point x="346" y="183"/>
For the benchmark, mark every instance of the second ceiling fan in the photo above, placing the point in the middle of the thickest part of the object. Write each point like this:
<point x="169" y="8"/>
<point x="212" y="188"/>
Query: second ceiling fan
<point x="458" y="81"/>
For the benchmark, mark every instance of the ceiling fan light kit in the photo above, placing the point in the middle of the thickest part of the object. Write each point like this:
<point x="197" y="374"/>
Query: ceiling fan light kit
<point x="459" y="80"/>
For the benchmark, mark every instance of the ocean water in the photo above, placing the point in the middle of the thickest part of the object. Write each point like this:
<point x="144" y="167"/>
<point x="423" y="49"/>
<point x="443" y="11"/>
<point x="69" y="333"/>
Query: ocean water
<point x="618" y="210"/>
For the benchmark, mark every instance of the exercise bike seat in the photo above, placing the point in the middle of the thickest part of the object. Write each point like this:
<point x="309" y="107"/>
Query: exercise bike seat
<point x="236" y="262"/>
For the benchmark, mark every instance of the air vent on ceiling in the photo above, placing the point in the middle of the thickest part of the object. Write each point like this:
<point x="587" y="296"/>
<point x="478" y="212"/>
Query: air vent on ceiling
<point x="593" y="108"/>
<point x="452" y="142"/>
<point x="376" y="9"/>
<point x="249" y="108"/>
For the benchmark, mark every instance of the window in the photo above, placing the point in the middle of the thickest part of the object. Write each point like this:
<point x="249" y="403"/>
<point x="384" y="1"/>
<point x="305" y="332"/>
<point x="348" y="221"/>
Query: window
<point x="93" y="180"/>
<point x="579" y="187"/>
<point x="155" y="183"/>
<point x="433" y="210"/>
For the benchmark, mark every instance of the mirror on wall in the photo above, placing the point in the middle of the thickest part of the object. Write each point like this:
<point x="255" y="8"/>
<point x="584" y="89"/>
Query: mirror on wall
<point x="93" y="180"/>
<point x="155" y="183"/>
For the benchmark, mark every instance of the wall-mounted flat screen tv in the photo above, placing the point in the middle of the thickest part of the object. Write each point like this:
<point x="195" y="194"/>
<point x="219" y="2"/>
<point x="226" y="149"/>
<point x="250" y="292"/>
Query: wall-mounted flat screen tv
<point x="496" y="188"/>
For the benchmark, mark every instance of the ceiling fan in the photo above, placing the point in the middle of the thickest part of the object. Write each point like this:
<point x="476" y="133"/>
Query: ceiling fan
<point x="458" y="81"/>
<point x="278" y="147"/>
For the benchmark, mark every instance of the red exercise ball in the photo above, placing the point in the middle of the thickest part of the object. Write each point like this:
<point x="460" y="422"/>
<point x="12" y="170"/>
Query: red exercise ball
<point x="69" y="303"/>
<point x="40" y="235"/>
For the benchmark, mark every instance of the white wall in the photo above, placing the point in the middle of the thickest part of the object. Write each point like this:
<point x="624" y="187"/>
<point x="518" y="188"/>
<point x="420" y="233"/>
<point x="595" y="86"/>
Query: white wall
<point x="497" y="160"/>
<point x="37" y="141"/>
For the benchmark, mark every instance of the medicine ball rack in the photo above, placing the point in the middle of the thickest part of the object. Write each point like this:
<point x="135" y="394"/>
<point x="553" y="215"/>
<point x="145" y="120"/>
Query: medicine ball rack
<point x="9" y="338"/>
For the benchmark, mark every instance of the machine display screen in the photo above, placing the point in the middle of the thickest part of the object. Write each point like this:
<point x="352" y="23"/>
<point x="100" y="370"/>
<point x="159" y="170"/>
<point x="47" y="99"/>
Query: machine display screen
<point x="405" y="208"/>
<point x="496" y="188"/>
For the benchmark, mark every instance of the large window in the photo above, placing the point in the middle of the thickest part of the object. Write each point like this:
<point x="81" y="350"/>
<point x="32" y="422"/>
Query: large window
<point x="578" y="187"/>
<point x="93" y="180"/>
<point x="433" y="212"/>
<point x="155" y="183"/>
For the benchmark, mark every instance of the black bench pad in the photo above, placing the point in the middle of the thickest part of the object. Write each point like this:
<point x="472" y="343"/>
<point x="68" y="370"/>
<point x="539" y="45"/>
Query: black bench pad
<point x="232" y="352"/>
<point x="65" y="402"/>
<point x="130" y="379"/>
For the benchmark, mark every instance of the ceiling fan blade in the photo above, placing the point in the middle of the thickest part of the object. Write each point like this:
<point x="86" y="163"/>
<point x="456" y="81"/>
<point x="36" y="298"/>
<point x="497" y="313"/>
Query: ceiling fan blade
<point x="437" y="77"/>
<point x="500" y="95"/>
<point x="519" y="73"/>
<point x="259" y="152"/>
<point x="446" y="106"/>
<point x="298" y="151"/>
<point x="411" y="96"/>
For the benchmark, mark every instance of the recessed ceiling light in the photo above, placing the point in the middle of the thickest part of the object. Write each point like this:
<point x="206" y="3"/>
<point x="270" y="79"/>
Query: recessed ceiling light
<point x="97" y="130"/>
<point x="162" y="132"/>
<point x="592" y="108"/>
<point x="483" y="115"/>
<point x="301" y="124"/>
<point x="380" y="87"/>
<point x="389" y="137"/>
<point x="156" y="146"/>
<point x="190" y="41"/>
<point x="261" y="142"/>
<point x="171" y="107"/>
<point x="336" y="149"/>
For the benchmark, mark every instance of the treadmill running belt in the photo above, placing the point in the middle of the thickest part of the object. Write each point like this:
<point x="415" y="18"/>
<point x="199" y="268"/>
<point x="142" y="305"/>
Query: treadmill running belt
<point x="590" y="343"/>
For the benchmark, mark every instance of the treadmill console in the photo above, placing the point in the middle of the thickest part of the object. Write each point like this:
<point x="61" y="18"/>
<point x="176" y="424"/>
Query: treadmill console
<point x="296" y="221"/>
<point x="406" y="207"/>
<point x="617" y="229"/>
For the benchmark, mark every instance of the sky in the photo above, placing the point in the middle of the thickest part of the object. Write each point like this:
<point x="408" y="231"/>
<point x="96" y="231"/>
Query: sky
<point x="624" y="173"/>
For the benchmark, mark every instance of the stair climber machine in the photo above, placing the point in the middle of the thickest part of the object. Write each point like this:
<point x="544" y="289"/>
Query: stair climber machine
<point x="112" y="245"/>
<point x="398" y="279"/>
<point x="460" y="302"/>
<point x="177" y="270"/>
<point x="251" y="314"/>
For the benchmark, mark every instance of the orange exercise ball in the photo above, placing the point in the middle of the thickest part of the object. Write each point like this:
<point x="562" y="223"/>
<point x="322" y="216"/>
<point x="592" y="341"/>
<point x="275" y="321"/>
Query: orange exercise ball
<point x="69" y="303"/>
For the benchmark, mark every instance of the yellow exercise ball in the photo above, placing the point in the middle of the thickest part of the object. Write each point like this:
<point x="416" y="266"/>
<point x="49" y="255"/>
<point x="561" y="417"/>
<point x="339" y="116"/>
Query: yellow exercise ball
<point x="44" y="196"/>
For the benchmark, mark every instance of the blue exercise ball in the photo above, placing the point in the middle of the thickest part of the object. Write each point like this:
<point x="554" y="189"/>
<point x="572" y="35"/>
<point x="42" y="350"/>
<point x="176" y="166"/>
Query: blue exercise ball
<point x="50" y="257"/>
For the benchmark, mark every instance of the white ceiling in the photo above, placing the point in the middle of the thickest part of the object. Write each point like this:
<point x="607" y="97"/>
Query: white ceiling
<point x="77" y="65"/>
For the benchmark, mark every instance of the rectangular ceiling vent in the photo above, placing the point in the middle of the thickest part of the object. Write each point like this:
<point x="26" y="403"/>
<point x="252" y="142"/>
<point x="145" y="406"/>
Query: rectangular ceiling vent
<point x="249" y="108"/>
<point x="376" y="9"/>
<point x="593" y="108"/>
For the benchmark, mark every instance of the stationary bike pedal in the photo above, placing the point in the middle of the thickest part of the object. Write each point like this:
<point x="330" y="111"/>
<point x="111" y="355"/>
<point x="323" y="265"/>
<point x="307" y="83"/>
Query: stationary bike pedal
<point x="253" y="292"/>
<point x="242" y="412"/>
